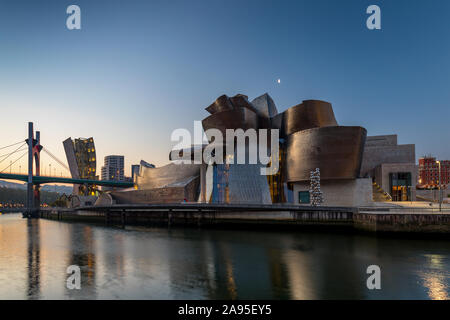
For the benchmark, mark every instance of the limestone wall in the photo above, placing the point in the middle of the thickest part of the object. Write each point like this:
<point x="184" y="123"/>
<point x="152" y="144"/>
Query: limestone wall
<point x="382" y="175"/>
<point x="376" y="155"/>
<point x="384" y="149"/>
<point x="341" y="193"/>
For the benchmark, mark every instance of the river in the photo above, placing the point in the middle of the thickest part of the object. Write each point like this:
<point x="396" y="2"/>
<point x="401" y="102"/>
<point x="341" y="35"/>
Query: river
<point x="161" y="263"/>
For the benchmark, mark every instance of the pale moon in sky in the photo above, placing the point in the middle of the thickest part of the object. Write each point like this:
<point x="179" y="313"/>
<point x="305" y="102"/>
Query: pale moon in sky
<point x="279" y="81"/>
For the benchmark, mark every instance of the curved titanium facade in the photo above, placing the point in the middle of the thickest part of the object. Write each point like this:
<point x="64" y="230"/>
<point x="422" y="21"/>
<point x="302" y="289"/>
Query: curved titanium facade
<point x="311" y="138"/>
<point x="239" y="118"/>
<point x="231" y="113"/>
<point x="337" y="151"/>
<point x="173" y="183"/>
<point x="151" y="178"/>
<point x="309" y="114"/>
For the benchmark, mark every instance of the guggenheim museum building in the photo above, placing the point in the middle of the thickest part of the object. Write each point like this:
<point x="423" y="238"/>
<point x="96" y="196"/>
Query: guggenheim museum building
<point x="309" y="137"/>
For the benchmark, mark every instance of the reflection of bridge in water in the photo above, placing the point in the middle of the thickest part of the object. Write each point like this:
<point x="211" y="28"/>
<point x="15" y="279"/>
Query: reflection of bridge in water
<point x="34" y="179"/>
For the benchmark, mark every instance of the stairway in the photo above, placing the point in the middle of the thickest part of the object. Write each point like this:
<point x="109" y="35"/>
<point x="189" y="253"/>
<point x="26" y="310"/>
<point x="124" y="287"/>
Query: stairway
<point x="379" y="195"/>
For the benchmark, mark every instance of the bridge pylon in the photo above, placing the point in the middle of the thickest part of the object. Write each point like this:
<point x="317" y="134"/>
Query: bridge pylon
<point x="33" y="189"/>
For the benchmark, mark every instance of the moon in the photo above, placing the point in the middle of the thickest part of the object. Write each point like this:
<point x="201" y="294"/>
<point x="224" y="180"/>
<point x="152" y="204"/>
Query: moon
<point x="279" y="81"/>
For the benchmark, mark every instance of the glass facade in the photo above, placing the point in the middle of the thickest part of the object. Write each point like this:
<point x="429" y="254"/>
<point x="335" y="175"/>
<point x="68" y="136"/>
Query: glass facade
<point x="86" y="162"/>
<point x="220" y="192"/>
<point x="85" y="156"/>
<point x="400" y="185"/>
<point x="239" y="183"/>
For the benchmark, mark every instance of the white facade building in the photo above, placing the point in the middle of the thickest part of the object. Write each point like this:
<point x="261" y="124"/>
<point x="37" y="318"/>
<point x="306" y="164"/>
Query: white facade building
<point x="113" y="168"/>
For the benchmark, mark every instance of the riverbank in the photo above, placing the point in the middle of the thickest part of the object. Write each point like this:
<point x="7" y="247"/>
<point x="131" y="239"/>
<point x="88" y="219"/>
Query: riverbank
<point x="373" y="219"/>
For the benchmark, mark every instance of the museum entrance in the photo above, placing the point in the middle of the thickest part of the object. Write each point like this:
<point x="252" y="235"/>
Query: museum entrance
<point x="400" y="185"/>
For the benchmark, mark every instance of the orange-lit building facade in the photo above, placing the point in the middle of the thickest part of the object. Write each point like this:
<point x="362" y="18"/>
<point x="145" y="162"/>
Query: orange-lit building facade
<point x="82" y="162"/>
<point x="429" y="172"/>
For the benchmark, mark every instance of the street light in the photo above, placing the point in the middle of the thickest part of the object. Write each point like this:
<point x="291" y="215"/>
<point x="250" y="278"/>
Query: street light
<point x="440" y="198"/>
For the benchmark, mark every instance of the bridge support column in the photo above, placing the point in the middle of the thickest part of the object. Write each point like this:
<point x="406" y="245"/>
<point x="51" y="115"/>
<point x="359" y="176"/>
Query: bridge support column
<point x="37" y="196"/>
<point x="30" y="196"/>
<point x="33" y="191"/>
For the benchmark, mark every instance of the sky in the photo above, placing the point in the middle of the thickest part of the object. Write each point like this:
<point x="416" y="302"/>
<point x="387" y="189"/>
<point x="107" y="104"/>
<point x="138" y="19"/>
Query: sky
<point x="137" y="70"/>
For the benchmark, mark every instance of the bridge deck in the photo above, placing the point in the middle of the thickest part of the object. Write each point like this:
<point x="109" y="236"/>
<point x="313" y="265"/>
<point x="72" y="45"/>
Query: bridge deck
<point x="44" y="179"/>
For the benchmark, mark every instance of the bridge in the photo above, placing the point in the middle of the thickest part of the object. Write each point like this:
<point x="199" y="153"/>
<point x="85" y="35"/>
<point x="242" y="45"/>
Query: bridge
<point x="43" y="180"/>
<point x="34" y="179"/>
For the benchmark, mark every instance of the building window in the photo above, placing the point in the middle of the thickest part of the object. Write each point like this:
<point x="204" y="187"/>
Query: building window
<point x="303" y="197"/>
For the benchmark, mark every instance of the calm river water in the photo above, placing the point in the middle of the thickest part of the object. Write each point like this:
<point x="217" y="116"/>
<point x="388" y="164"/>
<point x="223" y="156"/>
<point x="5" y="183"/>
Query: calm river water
<point x="161" y="263"/>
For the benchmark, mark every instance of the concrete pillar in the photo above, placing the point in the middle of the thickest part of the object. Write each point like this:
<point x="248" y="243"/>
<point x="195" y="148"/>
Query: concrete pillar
<point x="36" y="196"/>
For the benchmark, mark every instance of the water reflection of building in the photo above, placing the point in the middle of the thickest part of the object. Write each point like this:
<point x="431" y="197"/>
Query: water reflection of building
<point x="195" y="276"/>
<point x="286" y="266"/>
<point x="436" y="278"/>
<point x="82" y="253"/>
<point x="112" y="263"/>
<point x="220" y="268"/>
<point x="300" y="278"/>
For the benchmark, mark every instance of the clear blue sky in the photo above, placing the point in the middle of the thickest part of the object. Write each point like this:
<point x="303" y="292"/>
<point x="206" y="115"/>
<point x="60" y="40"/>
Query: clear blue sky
<point x="139" y="69"/>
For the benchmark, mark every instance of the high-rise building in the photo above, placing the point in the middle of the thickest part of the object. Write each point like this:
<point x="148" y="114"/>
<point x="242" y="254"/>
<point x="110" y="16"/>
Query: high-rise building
<point x="113" y="168"/>
<point x="82" y="162"/>
<point x="134" y="171"/>
<point x="429" y="172"/>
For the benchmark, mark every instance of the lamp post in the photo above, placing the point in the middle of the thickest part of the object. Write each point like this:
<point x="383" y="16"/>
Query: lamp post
<point x="440" y="198"/>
